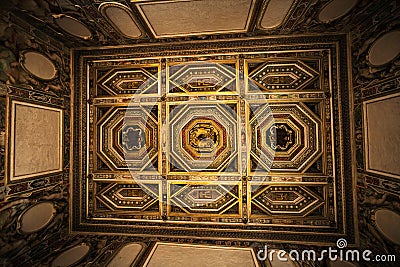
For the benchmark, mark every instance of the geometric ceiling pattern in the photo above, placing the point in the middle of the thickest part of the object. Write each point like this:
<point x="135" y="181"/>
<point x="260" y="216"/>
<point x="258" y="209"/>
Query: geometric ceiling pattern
<point x="250" y="197"/>
<point x="249" y="144"/>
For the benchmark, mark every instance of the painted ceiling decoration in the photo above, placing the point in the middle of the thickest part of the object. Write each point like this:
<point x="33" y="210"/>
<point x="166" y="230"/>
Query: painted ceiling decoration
<point x="387" y="107"/>
<point x="48" y="141"/>
<point x="127" y="255"/>
<point x="205" y="256"/>
<point x="182" y="18"/>
<point x="387" y="223"/>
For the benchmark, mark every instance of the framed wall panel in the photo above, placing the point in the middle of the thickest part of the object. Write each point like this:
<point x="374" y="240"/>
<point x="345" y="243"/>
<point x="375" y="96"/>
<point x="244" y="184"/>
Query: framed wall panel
<point x="36" y="140"/>
<point x="182" y="254"/>
<point x="381" y="139"/>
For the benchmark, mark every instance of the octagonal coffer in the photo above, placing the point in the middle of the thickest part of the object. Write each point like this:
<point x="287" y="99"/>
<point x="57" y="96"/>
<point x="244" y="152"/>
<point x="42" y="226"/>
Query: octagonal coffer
<point x="129" y="138"/>
<point x="202" y="141"/>
<point x="285" y="137"/>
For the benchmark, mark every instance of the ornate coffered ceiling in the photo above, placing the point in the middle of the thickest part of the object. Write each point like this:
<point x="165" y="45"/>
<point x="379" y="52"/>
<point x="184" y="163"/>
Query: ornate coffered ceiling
<point x="248" y="143"/>
<point x="97" y="23"/>
<point x="301" y="200"/>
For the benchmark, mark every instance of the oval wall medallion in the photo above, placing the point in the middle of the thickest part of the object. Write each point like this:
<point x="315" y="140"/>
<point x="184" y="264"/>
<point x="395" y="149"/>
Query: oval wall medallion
<point x="126" y="255"/>
<point x="385" y="49"/>
<point x="71" y="256"/>
<point x="38" y="64"/>
<point x="36" y="217"/>
<point x="275" y="13"/>
<point x="388" y="224"/>
<point x="73" y="26"/>
<point x="336" y="9"/>
<point x="121" y="19"/>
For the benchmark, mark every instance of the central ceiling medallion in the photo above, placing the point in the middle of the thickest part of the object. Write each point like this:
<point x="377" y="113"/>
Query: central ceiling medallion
<point x="202" y="141"/>
<point x="202" y="137"/>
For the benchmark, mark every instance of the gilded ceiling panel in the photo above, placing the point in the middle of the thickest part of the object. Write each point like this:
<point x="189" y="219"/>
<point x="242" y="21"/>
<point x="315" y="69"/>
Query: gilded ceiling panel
<point x="244" y="139"/>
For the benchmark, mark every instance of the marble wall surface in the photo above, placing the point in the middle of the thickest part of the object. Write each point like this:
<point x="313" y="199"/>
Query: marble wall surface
<point x="376" y="86"/>
<point x="33" y="107"/>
